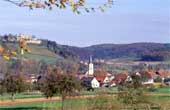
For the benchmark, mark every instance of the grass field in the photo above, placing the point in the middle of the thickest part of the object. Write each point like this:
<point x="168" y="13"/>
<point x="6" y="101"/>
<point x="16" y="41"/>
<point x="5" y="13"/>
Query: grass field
<point x="47" y="59"/>
<point x="23" y="96"/>
<point x="83" y="104"/>
<point x="69" y="105"/>
<point x="162" y="90"/>
<point x="79" y="104"/>
<point x="19" y="96"/>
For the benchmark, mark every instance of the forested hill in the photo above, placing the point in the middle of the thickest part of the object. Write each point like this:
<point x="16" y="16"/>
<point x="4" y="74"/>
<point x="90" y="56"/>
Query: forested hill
<point x="142" y="51"/>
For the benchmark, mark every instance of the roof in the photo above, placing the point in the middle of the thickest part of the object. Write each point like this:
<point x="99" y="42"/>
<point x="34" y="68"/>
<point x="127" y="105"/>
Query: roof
<point x="120" y="78"/>
<point x="100" y="78"/>
<point x="164" y="73"/>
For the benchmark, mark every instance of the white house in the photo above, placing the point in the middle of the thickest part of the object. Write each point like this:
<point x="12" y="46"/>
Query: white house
<point x="95" y="83"/>
<point x="90" y="82"/>
<point x="150" y="81"/>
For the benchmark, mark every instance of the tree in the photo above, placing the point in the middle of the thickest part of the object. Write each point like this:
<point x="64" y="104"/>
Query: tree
<point x="158" y="79"/>
<point x="132" y="93"/>
<point x="103" y="101"/>
<point x="2" y="87"/>
<point x="67" y="85"/>
<point x="75" y="5"/>
<point x="68" y="66"/>
<point x="14" y="83"/>
<point x="57" y="82"/>
<point x="48" y="82"/>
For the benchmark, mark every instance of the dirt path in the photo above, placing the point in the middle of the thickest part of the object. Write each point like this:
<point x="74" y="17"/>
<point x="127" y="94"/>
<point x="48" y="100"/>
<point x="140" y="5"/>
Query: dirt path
<point x="26" y="101"/>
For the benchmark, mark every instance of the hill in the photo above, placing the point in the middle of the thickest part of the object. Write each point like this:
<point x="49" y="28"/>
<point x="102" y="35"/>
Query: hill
<point x="141" y="51"/>
<point x="38" y="53"/>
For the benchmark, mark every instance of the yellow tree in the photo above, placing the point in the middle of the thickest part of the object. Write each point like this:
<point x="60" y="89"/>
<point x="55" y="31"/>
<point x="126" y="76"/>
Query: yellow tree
<point x="7" y="53"/>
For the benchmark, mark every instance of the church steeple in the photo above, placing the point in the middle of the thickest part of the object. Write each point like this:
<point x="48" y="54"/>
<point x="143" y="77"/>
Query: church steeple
<point x="91" y="66"/>
<point x="90" y="61"/>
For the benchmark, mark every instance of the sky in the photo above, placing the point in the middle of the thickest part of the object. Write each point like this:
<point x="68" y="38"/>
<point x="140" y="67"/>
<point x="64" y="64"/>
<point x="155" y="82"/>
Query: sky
<point x="128" y="21"/>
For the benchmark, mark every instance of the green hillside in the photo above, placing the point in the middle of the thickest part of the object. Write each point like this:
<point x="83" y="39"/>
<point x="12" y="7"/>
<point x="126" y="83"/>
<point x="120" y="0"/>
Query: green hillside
<point x="50" y="51"/>
<point x="38" y="52"/>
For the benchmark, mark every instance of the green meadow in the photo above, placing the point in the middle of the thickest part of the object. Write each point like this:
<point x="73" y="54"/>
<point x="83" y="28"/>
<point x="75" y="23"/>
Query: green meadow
<point x="160" y="98"/>
<point x="83" y="104"/>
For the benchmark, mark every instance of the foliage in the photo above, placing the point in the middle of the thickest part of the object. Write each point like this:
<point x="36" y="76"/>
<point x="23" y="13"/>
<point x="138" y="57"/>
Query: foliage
<point x="55" y="81"/>
<point x="156" y="56"/>
<point x="2" y="88"/>
<point x="68" y="85"/>
<point x="112" y="51"/>
<point x="68" y="66"/>
<point x="132" y="94"/>
<point x="76" y="5"/>
<point x="103" y="102"/>
<point x="61" y="50"/>
<point x="48" y="83"/>
<point x="14" y="83"/>
<point x="158" y="79"/>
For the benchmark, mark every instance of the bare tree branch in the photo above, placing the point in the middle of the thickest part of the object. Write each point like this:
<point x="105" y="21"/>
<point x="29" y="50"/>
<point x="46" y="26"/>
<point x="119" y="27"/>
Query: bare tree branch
<point x="13" y="2"/>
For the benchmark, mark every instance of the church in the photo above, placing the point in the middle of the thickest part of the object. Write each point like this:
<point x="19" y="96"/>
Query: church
<point x="89" y="80"/>
<point x="90" y="71"/>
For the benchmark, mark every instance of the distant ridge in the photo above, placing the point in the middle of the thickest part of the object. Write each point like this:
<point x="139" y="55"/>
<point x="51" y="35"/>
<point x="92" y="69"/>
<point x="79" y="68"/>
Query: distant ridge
<point x="146" y="51"/>
<point x="142" y="51"/>
<point x="133" y="50"/>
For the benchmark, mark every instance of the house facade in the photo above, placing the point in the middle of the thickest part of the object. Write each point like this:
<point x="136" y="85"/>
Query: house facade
<point x="90" y="82"/>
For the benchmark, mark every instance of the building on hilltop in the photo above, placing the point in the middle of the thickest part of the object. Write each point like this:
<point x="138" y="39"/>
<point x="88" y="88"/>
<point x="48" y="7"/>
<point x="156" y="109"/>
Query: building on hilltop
<point x="28" y="39"/>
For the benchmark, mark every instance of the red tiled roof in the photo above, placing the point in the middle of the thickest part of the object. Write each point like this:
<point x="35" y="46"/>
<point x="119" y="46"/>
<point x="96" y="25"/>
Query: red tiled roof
<point x="164" y="73"/>
<point x="100" y="78"/>
<point x="119" y="78"/>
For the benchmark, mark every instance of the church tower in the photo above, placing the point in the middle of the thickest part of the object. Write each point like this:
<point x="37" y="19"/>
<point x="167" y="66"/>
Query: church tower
<point x="91" y="67"/>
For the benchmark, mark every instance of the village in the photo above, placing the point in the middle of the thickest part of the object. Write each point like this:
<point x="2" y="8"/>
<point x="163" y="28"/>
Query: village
<point x="95" y="76"/>
<point x="99" y="78"/>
